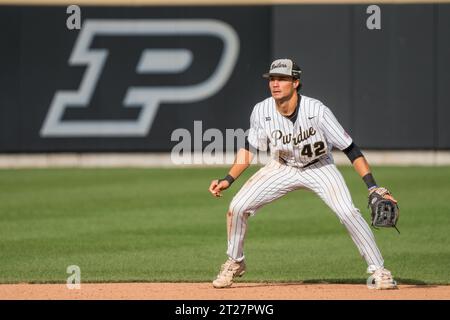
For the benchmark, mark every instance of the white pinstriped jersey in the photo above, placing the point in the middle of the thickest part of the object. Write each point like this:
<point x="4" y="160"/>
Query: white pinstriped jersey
<point x="294" y="145"/>
<point x="310" y="137"/>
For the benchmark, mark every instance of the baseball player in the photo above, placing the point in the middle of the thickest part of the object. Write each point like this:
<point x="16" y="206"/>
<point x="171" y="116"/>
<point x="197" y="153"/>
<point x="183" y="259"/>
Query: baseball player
<point x="300" y="132"/>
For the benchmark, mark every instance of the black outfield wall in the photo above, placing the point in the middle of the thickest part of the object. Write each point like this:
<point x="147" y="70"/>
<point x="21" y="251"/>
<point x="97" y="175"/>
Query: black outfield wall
<point x="133" y="75"/>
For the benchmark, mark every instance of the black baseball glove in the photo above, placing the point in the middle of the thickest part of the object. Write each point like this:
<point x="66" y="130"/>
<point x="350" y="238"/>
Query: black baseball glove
<point x="384" y="209"/>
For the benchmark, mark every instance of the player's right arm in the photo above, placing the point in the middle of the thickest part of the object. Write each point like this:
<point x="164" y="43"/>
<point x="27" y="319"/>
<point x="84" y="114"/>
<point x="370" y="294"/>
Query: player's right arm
<point x="257" y="139"/>
<point x="242" y="161"/>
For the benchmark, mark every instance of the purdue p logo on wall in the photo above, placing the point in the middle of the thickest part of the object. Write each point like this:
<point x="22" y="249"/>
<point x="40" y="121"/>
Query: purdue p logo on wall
<point x="151" y="60"/>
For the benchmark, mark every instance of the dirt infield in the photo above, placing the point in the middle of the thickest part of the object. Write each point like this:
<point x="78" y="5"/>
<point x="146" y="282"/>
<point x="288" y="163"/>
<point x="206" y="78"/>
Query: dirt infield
<point x="204" y="291"/>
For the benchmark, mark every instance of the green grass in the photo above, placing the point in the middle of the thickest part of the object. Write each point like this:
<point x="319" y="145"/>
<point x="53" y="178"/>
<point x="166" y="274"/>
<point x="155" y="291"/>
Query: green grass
<point x="162" y="225"/>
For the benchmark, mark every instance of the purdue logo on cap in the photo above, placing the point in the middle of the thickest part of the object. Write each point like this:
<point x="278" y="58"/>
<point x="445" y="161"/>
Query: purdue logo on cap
<point x="283" y="67"/>
<point x="278" y="65"/>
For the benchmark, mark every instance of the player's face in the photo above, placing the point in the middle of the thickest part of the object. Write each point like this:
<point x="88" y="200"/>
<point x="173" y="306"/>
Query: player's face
<point x="282" y="88"/>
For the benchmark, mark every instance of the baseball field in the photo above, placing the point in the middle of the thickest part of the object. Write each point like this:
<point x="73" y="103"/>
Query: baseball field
<point x="162" y="226"/>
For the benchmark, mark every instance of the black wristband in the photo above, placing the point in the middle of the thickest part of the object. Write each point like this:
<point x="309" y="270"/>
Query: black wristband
<point x="370" y="181"/>
<point x="228" y="178"/>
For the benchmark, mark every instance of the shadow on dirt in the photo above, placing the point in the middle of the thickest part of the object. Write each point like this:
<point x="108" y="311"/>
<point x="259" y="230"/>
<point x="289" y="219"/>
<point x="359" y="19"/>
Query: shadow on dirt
<point x="414" y="283"/>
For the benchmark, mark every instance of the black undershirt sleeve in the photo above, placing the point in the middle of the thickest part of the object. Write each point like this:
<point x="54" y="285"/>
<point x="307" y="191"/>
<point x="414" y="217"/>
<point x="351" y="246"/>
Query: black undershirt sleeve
<point x="353" y="152"/>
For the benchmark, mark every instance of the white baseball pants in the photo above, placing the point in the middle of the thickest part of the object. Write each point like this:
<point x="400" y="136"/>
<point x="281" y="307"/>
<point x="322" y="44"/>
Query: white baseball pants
<point x="275" y="180"/>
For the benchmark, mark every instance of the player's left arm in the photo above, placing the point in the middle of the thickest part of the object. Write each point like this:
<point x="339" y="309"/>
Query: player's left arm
<point x="336" y="134"/>
<point x="362" y="168"/>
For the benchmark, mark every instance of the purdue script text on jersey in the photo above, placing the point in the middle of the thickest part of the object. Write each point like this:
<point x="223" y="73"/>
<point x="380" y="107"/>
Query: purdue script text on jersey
<point x="313" y="134"/>
<point x="285" y="139"/>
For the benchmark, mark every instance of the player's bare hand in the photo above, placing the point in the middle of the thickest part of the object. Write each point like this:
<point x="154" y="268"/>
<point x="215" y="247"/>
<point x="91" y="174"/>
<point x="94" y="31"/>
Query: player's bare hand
<point x="216" y="187"/>
<point x="213" y="186"/>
